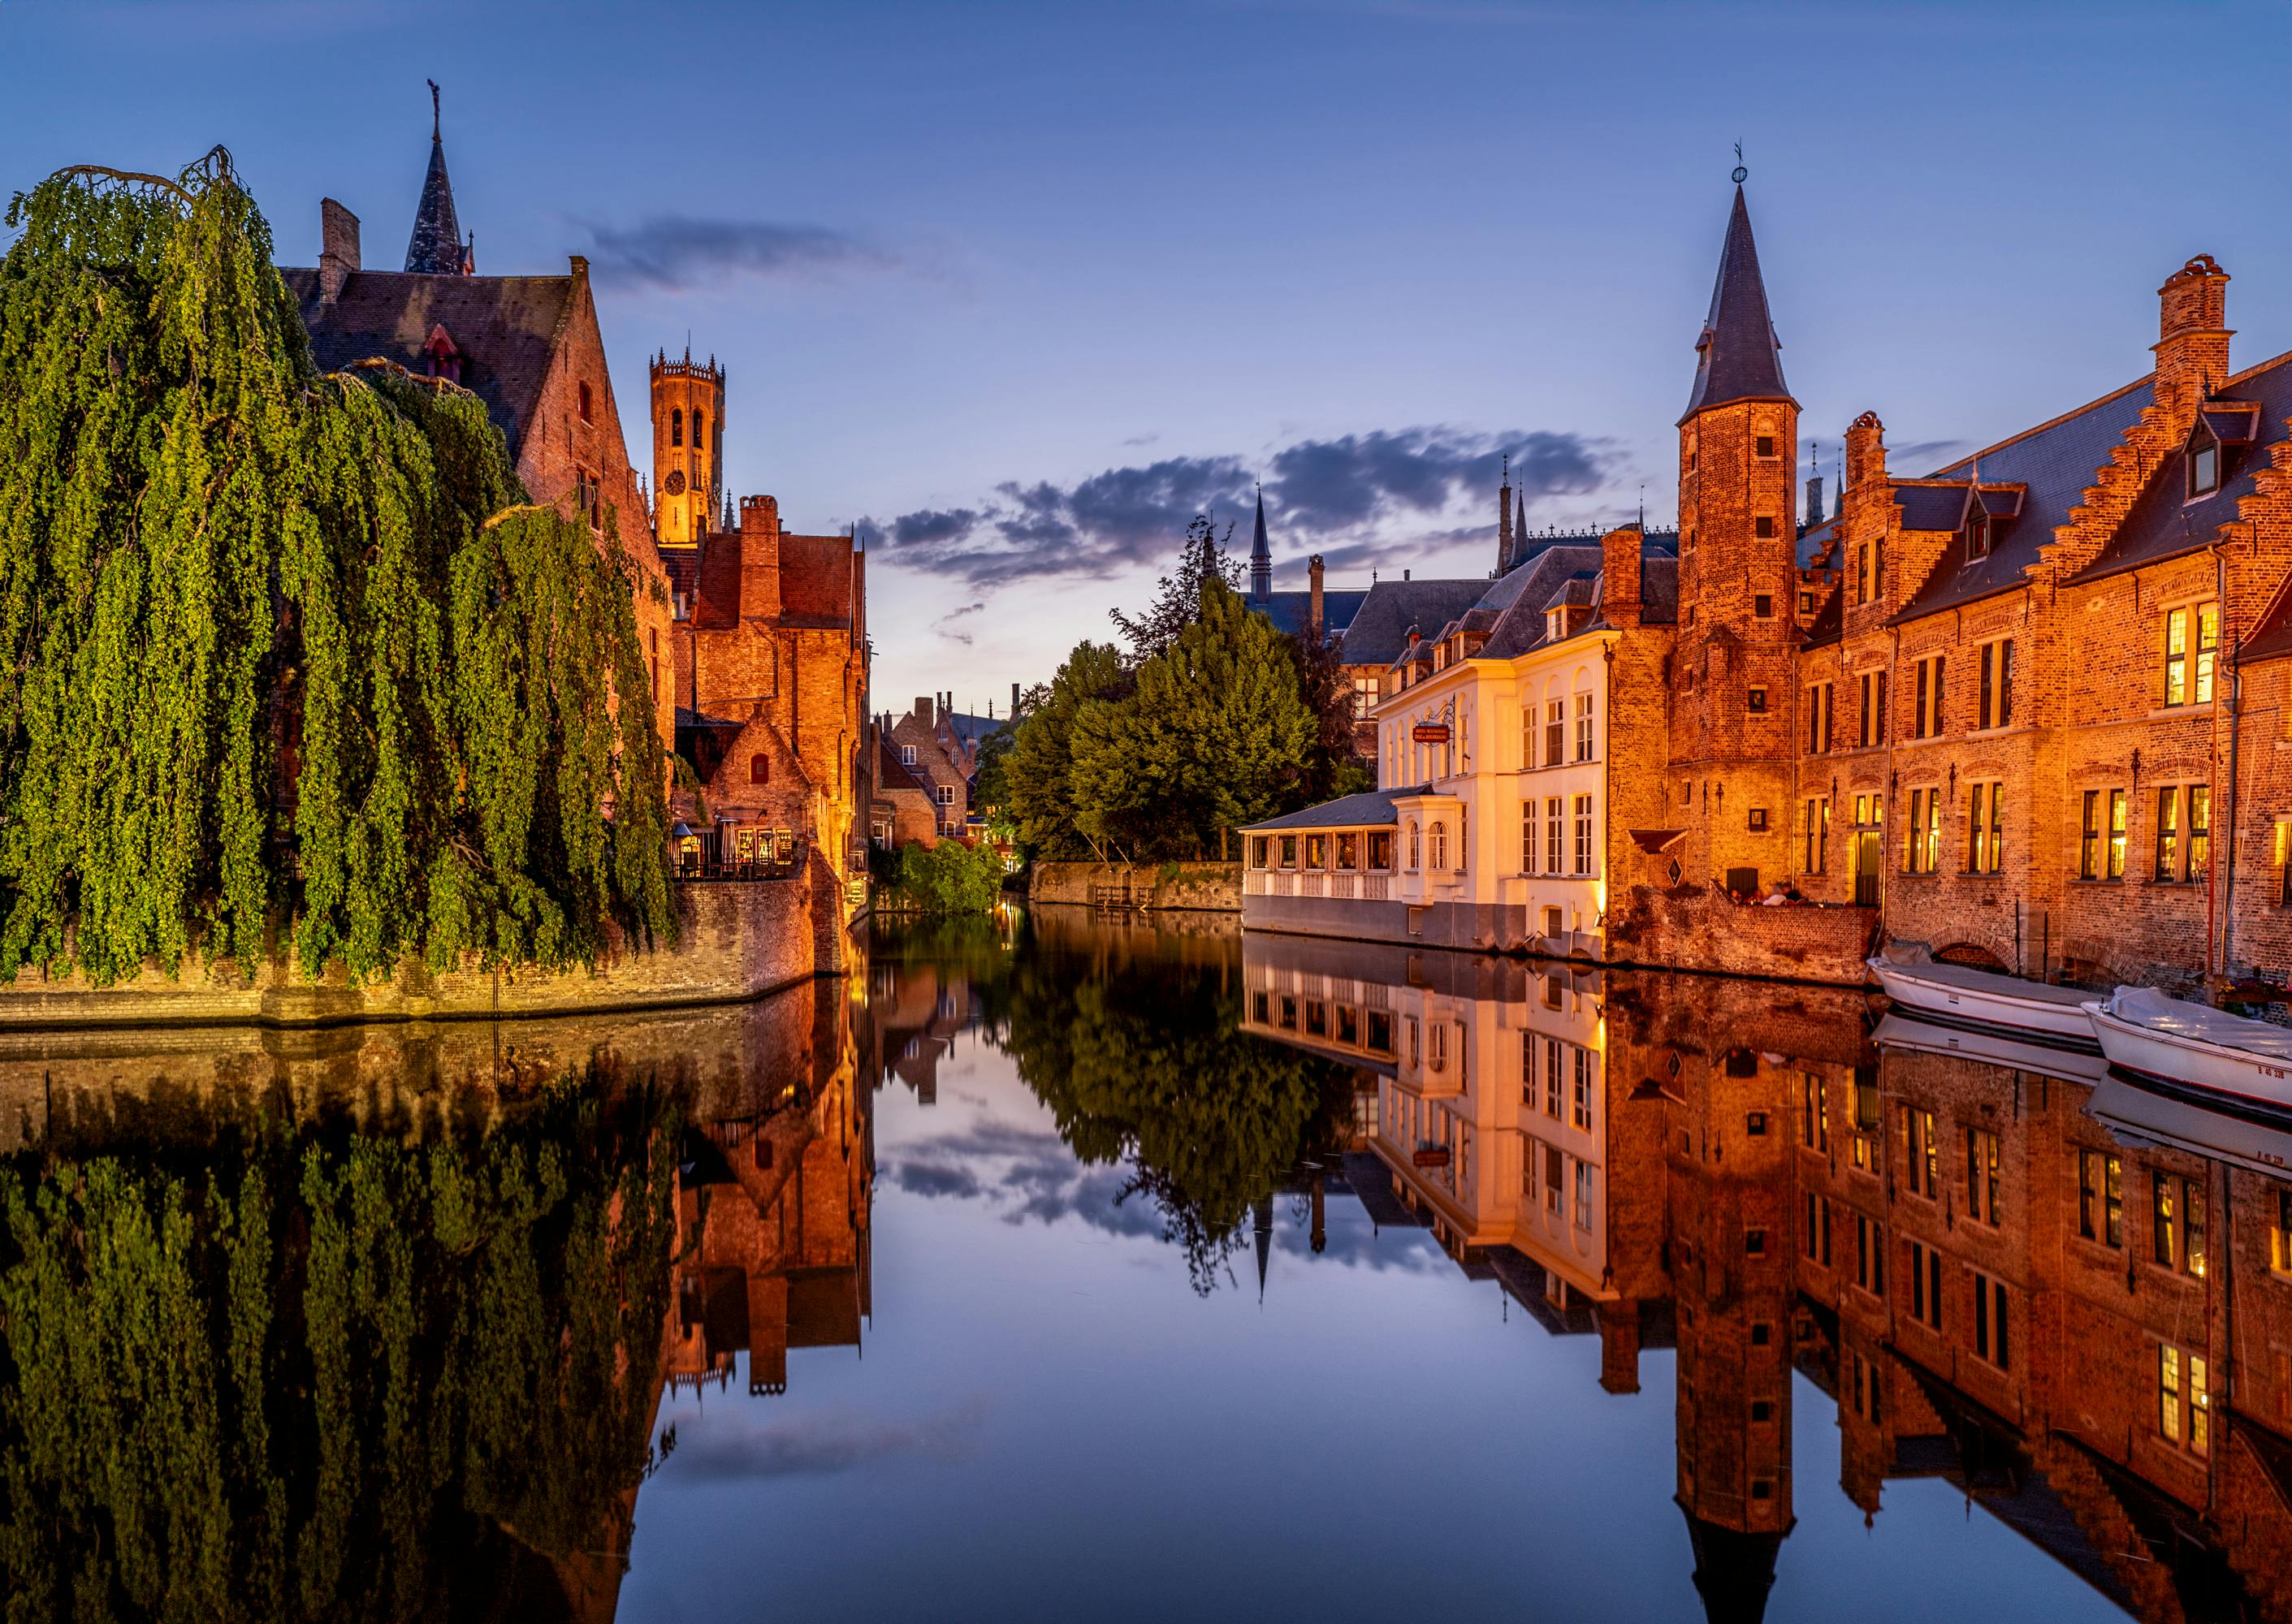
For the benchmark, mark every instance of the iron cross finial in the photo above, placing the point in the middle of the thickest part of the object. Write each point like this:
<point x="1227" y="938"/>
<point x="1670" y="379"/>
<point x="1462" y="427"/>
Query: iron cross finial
<point x="1741" y="174"/>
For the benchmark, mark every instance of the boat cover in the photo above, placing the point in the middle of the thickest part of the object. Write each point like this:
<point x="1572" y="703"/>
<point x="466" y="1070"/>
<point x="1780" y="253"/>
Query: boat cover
<point x="2200" y="1023"/>
<point x="1967" y="979"/>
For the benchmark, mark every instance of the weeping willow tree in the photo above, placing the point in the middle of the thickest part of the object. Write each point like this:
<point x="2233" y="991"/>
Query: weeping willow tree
<point x="282" y="651"/>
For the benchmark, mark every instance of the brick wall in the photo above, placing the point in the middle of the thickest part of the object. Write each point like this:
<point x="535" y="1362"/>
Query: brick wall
<point x="1193" y="886"/>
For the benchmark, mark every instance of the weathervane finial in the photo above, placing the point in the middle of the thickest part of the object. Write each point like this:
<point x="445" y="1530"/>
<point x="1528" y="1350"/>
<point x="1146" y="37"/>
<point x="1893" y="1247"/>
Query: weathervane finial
<point x="1741" y="174"/>
<point x="433" y="107"/>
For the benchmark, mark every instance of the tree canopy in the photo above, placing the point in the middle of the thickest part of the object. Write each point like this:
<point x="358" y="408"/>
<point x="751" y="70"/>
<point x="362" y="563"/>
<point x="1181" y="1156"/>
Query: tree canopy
<point x="1213" y="735"/>
<point x="1038" y="774"/>
<point x="281" y="650"/>
<point x="1178" y="596"/>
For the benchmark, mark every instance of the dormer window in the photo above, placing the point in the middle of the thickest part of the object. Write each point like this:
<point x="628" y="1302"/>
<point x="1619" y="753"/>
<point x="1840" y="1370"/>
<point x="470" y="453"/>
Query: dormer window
<point x="2204" y="462"/>
<point x="1553" y="625"/>
<point x="1977" y="533"/>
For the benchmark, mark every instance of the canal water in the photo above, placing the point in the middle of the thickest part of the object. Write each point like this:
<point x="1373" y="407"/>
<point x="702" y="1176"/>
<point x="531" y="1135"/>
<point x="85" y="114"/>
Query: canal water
<point x="1060" y="1267"/>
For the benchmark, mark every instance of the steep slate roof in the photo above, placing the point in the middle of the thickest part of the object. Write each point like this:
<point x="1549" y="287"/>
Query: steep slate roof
<point x="2163" y="523"/>
<point x="507" y="328"/>
<point x="1378" y="630"/>
<point x="1737" y="356"/>
<point x="1369" y="808"/>
<point x="2056" y="460"/>
<point x="435" y="248"/>
<point x="1288" y="610"/>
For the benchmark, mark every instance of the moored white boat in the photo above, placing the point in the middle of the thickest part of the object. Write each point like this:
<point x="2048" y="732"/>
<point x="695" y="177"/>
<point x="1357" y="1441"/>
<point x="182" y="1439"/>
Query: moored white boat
<point x="2193" y="1046"/>
<point x="1956" y="994"/>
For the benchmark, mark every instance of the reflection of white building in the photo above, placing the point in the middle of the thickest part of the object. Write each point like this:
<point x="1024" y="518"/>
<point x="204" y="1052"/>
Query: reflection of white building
<point x="1491" y="1089"/>
<point x="1490" y="827"/>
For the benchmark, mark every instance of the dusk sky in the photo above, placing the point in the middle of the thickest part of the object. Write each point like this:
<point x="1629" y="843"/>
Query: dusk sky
<point x="1018" y="288"/>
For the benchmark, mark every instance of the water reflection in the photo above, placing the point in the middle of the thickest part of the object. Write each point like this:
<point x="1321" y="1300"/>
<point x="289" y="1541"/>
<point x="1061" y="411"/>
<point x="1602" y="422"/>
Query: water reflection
<point x="577" y="1319"/>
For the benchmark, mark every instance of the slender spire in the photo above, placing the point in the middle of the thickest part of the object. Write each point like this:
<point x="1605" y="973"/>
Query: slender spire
<point x="1260" y="555"/>
<point x="1737" y="356"/>
<point x="1520" y="524"/>
<point x="1264" y="1224"/>
<point x="1503" y="517"/>
<point x="435" y="248"/>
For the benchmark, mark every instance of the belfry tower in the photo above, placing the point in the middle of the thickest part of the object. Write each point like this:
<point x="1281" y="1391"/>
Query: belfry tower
<point x="688" y="448"/>
<point x="1732" y="682"/>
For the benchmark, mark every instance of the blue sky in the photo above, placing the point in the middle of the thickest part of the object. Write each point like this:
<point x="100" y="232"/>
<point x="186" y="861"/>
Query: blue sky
<point x="1017" y="286"/>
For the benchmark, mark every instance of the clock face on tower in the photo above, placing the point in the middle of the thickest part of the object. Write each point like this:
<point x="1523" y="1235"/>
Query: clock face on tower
<point x="675" y="484"/>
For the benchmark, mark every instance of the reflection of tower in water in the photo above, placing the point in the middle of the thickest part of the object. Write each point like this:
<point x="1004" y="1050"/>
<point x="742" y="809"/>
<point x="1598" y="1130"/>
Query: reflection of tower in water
<point x="773" y="1225"/>
<point x="1726" y="1174"/>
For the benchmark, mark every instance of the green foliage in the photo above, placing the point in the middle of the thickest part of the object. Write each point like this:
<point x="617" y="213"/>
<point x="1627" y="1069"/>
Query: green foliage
<point x="1202" y="563"/>
<point x="947" y="878"/>
<point x="292" y="1382"/>
<point x="1331" y="768"/>
<point x="1214" y="735"/>
<point x="1037" y="775"/>
<point x="229" y="586"/>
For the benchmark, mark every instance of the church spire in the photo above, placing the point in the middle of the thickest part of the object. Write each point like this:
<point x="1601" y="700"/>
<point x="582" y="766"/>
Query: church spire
<point x="435" y="248"/>
<point x="1738" y="357"/>
<point x="1260" y="555"/>
<point x="1503" y="519"/>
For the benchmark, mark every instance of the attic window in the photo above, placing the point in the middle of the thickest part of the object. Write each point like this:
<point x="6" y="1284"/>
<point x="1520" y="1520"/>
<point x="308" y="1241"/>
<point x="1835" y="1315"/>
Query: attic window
<point x="1977" y="534"/>
<point x="2204" y="462"/>
<point x="585" y="416"/>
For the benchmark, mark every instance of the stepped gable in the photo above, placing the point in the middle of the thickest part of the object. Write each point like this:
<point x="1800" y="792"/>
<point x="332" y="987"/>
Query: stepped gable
<point x="2164" y="522"/>
<point x="2054" y="462"/>
<point x="506" y="329"/>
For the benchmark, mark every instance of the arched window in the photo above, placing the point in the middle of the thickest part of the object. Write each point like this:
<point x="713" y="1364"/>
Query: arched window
<point x="699" y="430"/>
<point x="1416" y="846"/>
<point x="585" y="403"/>
<point x="1440" y="845"/>
<point x="760" y="769"/>
<point x="676" y="427"/>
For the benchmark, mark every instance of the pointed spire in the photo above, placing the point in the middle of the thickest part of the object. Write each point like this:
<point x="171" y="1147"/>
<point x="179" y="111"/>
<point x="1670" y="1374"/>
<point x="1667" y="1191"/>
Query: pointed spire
<point x="1503" y="517"/>
<point x="435" y="248"/>
<point x="1263" y="1217"/>
<point x="1261" y="554"/>
<point x="1738" y="357"/>
<point x="1520" y="524"/>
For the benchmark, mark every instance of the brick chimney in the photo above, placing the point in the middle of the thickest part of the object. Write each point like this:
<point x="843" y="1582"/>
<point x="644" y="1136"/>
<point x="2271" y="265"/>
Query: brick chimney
<point x="1014" y="699"/>
<point x="759" y="557"/>
<point x="338" y="248"/>
<point x="2192" y="335"/>
<point x="1313" y="598"/>
<point x="924" y="709"/>
<point x="1619" y="576"/>
<point x="1865" y="451"/>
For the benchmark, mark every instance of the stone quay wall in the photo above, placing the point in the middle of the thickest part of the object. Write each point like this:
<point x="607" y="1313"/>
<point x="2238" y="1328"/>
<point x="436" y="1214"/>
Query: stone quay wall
<point x="1194" y="886"/>
<point x="737" y="939"/>
<point x="1696" y="927"/>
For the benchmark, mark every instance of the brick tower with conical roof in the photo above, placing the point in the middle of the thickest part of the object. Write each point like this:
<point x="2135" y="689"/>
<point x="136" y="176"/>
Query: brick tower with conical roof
<point x="1733" y="690"/>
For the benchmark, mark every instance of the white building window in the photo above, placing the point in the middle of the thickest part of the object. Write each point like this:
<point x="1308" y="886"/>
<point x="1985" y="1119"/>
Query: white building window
<point x="1583" y="726"/>
<point x="1583" y="834"/>
<point x="907" y="755"/>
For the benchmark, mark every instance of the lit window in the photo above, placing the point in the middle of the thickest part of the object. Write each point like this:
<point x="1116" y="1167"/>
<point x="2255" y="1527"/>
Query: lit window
<point x="2183" y="1399"/>
<point x="2191" y="652"/>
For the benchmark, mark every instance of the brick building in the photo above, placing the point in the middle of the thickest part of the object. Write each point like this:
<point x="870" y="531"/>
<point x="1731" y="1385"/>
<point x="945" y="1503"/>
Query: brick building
<point x="528" y="346"/>
<point x="770" y="660"/>
<point x="2030" y="707"/>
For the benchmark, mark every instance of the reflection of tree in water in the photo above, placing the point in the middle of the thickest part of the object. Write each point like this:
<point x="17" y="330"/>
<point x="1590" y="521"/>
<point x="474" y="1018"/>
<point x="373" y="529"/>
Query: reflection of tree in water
<point x="1140" y="1061"/>
<point x="297" y="1373"/>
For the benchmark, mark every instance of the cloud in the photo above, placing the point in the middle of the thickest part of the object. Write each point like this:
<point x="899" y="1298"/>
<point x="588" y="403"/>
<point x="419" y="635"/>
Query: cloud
<point x="737" y="1445"/>
<point x="1925" y="453"/>
<point x="675" y="253"/>
<point x="930" y="1179"/>
<point x="1344" y="497"/>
